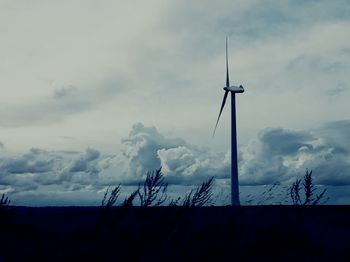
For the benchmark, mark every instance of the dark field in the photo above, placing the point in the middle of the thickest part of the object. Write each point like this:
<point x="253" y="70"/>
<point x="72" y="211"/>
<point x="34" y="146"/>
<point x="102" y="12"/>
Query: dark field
<point x="273" y="233"/>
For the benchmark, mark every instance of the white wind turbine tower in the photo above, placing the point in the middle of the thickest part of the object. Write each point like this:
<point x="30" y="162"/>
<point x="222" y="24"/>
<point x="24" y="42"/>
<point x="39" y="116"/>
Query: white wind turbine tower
<point x="234" y="165"/>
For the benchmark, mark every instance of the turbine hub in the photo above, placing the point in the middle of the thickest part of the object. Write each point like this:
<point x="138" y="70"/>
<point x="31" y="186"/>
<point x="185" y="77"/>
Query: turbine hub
<point x="234" y="89"/>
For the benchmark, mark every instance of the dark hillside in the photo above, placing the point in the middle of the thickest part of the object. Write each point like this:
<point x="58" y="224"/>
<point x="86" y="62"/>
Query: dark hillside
<point x="281" y="233"/>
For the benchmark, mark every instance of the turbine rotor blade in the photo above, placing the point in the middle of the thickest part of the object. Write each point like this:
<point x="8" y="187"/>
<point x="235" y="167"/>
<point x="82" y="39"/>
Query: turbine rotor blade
<point x="222" y="108"/>
<point x="227" y="76"/>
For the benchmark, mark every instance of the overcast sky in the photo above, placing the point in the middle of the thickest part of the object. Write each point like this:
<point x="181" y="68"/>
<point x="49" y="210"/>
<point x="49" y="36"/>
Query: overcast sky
<point x="98" y="92"/>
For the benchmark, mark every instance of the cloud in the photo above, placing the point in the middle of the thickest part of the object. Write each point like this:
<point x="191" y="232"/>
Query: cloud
<point x="264" y="39"/>
<point x="146" y="149"/>
<point x="188" y="165"/>
<point x="283" y="53"/>
<point x="26" y="163"/>
<point x="39" y="168"/>
<point x="141" y="146"/>
<point x="64" y="92"/>
<point x="86" y="162"/>
<point x="338" y="89"/>
<point x="275" y="155"/>
<point x="281" y="155"/>
<point x="63" y="102"/>
<point x="282" y="141"/>
<point x="336" y="132"/>
<point x="316" y="63"/>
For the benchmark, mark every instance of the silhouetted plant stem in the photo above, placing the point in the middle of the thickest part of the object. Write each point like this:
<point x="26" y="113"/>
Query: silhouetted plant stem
<point x="154" y="190"/>
<point x="4" y="201"/>
<point x="201" y="196"/>
<point x="309" y="190"/>
<point x="112" y="199"/>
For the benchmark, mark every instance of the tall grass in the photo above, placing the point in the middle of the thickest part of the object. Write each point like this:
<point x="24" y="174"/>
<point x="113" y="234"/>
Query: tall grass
<point x="310" y="197"/>
<point x="153" y="192"/>
<point x="4" y="201"/>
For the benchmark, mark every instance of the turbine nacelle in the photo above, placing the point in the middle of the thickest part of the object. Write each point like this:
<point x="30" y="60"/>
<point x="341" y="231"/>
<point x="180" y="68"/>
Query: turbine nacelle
<point x="234" y="89"/>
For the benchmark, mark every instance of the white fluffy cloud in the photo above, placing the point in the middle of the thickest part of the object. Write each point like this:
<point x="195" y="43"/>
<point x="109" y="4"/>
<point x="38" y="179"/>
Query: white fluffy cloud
<point x="192" y="165"/>
<point x="146" y="149"/>
<point x="281" y="154"/>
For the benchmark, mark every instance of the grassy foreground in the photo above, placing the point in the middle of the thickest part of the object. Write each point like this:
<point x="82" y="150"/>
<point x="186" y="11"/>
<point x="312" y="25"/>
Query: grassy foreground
<point x="282" y="233"/>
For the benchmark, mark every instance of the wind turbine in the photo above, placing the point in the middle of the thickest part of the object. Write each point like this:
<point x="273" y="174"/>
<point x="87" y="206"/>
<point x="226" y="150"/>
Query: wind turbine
<point x="234" y="166"/>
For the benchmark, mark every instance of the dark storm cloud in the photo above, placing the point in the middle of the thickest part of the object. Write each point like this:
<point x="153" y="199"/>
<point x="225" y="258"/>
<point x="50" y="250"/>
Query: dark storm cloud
<point x="283" y="142"/>
<point x="30" y="169"/>
<point x="86" y="162"/>
<point x="27" y="163"/>
<point x="46" y="168"/>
